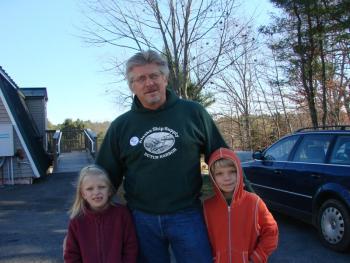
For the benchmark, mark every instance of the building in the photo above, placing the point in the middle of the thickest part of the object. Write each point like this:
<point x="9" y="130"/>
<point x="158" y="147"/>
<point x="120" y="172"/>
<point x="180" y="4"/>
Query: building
<point x="23" y="123"/>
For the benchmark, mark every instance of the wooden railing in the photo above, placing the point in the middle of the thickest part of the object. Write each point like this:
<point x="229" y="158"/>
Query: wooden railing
<point x="90" y="142"/>
<point x="58" y="141"/>
<point x="49" y="141"/>
<point x="73" y="139"/>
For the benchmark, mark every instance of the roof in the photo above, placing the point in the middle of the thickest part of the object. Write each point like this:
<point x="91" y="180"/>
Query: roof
<point x="24" y="122"/>
<point x="39" y="92"/>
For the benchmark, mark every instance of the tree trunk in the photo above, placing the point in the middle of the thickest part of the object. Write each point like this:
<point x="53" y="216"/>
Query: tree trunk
<point x="306" y="69"/>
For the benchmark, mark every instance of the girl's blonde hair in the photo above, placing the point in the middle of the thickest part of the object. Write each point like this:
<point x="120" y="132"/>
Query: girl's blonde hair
<point x="221" y="163"/>
<point x="79" y="204"/>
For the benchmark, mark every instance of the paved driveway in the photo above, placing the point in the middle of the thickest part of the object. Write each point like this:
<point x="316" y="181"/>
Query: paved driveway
<point x="33" y="219"/>
<point x="33" y="222"/>
<point x="298" y="243"/>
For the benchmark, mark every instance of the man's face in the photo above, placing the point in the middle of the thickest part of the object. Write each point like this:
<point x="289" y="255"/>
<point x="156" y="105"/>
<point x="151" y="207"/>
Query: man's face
<point x="149" y="85"/>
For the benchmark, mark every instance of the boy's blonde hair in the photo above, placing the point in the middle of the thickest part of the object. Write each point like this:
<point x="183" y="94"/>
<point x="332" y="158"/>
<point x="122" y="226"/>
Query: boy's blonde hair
<point x="221" y="163"/>
<point x="79" y="205"/>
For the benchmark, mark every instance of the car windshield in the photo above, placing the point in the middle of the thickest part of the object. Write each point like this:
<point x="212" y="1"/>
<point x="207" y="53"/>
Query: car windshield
<point x="281" y="150"/>
<point x="244" y="156"/>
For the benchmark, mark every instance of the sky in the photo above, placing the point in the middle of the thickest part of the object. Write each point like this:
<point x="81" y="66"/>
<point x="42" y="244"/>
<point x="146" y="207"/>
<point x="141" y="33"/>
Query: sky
<point x="40" y="47"/>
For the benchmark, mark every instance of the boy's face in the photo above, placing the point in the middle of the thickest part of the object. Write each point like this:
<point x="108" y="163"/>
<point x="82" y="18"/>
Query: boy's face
<point x="226" y="179"/>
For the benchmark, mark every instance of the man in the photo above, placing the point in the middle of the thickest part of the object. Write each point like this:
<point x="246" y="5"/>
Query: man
<point x="156" y="148"/>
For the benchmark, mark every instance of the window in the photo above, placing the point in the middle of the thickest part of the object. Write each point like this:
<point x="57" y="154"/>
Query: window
<point x="281" y="150"/>
<point x="341" y="152"/>
<point x="313" y="148"/>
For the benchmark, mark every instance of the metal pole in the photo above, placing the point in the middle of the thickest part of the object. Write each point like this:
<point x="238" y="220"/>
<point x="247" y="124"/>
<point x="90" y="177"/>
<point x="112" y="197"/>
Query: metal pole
<point x="12" y="175"/>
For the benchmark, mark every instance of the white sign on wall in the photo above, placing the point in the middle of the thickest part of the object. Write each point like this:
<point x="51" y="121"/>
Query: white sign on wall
<point x="6" y="140"/>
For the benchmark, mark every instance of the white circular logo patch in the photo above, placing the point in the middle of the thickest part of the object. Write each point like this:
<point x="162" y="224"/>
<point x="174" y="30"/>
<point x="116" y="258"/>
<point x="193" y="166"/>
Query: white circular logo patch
<point x="159" y="142"/>
<point x="134" y="141"/>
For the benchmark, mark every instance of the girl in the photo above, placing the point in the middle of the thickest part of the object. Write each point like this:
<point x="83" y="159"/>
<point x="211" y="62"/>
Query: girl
<point x="99" y="230"/>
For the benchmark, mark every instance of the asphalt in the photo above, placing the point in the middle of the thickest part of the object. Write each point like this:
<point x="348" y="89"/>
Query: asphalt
<point x="34" y="218"/>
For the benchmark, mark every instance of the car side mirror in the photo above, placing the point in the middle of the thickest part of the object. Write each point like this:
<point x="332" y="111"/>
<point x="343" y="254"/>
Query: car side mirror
<point x="258" y="155"/>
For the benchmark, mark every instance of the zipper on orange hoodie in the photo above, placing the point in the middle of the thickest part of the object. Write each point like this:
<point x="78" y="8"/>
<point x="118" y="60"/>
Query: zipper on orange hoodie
<point x="229" y="232"/>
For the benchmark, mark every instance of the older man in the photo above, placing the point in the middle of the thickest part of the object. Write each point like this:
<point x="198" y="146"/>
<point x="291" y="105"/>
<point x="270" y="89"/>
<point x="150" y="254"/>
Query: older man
<point x="156" y="148"/>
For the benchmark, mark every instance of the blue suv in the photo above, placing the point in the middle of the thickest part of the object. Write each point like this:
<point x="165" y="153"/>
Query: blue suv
<point x="307" y="175"/>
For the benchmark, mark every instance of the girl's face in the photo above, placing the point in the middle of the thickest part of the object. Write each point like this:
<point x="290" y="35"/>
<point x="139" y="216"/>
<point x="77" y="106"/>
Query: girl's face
<point x="95" y="191"/>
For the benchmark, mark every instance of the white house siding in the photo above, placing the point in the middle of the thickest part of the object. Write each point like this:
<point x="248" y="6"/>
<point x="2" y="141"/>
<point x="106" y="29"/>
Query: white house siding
<point x="22" y="171"/>
<point x="4" y="118"/>
<point x="22" y="168"/>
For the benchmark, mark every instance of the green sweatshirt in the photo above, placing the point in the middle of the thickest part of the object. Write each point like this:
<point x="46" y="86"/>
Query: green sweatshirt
<point x="157" y="152"/>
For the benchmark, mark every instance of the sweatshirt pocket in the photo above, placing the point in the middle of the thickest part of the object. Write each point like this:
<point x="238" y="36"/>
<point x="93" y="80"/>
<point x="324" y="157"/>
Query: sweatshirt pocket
<point x="223" y="256"/>
<point x="245" y="257"/>
<point x="218" y="257"/>
<point x="239" y="256"/>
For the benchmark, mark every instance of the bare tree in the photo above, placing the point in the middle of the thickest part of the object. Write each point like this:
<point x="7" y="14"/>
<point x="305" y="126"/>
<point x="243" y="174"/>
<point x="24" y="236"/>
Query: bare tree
<point x="272" y="86"/>
<point x="341" y="76"/>
<point x="192" y="35"/>
<point x="236" y="83"/>
<point x="228" y="121"/>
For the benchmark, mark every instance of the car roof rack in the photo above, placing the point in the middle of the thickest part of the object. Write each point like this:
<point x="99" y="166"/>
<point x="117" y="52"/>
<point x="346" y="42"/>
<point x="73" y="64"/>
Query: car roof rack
<point x="320" y="128"/>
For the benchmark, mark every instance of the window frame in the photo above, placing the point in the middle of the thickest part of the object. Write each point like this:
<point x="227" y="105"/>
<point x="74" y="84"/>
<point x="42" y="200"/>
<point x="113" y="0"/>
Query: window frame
<point x="335" y="147"/>
<point x="309" y="137"/>
<point x="278" y="143"/>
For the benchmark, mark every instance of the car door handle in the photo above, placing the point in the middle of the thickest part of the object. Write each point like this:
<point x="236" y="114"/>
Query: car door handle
<point x="277" y="171"/>
<point x="315" y="176"/>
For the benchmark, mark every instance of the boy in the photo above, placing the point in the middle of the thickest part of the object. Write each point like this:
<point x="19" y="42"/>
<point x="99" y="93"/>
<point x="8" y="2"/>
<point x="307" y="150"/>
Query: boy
<point x="240" y="227"/>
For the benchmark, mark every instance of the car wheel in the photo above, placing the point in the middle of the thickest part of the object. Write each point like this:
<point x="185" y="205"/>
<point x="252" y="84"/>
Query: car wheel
<point x="334" y="225"/>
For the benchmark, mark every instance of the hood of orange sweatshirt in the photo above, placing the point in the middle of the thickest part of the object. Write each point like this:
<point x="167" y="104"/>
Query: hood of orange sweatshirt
<point x="224" y="153"/>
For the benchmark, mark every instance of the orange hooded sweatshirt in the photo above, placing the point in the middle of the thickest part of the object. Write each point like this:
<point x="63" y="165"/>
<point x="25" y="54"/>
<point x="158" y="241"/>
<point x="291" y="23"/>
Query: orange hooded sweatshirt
<point x="244" y="231"/>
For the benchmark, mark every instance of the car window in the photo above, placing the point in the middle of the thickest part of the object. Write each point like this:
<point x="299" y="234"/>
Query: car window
<point x="280" y="151"/>
<point x="244" y="156"/>
<point x="313" y="148"/>
<point x="341" y="151"/>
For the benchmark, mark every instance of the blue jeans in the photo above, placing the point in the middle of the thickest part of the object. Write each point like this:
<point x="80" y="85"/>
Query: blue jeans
<point x="184" y="231"/>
